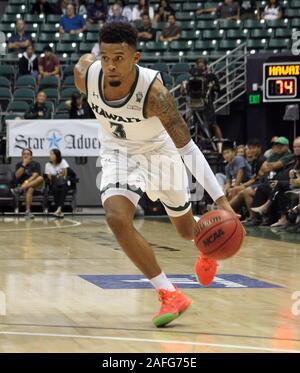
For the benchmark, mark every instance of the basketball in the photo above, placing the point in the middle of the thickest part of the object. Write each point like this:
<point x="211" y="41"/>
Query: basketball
<point x="219" y="234"/>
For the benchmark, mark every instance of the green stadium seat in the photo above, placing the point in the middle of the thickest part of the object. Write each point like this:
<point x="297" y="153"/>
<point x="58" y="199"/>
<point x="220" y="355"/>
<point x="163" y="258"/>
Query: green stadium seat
<point x="53" y="18"/>
<point x="190" y="7"/>
<point x="256" y="43"/>
<point x="8" y="71"/>
<point x="160" y="66"/>
<point x="50" y="107"/>
<point x="261" y="33"/>
<point x="5" y="97"/>
<point x="292" y="13"/>
<point x="67" y="47"/>
<point x="30" y="18"/>
<point x="49" y="27"/>
<point x="9" y="18"/>
<point x="17" y="107"/>
<point x="16" y="2"/>
<point x="213" y="34"/>
<point x="4" y="82"/>
<point x="24" y="94"/>
<point x="172" y="57"/>
<point x="158" y="25"/>
<point x="48" y="38"/>
<point x="186" y="25"/>
<point x="279" y="43"/>
<point x="141" y="46"/>
<point x="68" y="70"/>
<point x="40" y="46"/>
<point x="206" y="25"/>
<point x="15" y="9"/>
<point x="52" y="94"/>
<point x="69" y="81"/>
<point x="150" y="57"/>
<point x="278" y="23"/>
<point x="227" y="44"/>
<point x="157" y="46"/>
<point x="180" y="68"/>
<point x="61" y="116"/>
<point x="66" y="93"/>
<point x="61" y="107"/>
<point x="190" y="35"/>
<point x="181" y="78"/>
<point x="229" y="24"/>
<point x="254" y="24"/>
<point x="74" y="58"/>
<point x="49" y="82"/>
<point x="205" y="45"/>
<point x="91" y="37"/>
<point x="85" y="47"/>
<point x="294" y="4"/>
<point x="6" y="27"/>
<point x="184" y="16"/>
<point x="26" y="81"/>
<point x="181" y="45"/>
<point x="168" y="80"/>
<point x="283" y="33"/>
<point x="206" y="16"/>
<point x="32" y="27"/>
<point x="71" y="38"/>
<point x="93" y="28"/>
<point x="295" y="22"/>
<point x="237" y="34"/>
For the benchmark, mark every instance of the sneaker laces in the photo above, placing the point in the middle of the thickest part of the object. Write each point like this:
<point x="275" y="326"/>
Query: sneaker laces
<point x="165" y="297"/>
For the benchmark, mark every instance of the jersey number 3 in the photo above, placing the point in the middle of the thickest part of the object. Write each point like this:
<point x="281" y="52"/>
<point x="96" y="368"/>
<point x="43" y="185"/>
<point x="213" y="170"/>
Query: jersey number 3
<point x="118" y="130"/>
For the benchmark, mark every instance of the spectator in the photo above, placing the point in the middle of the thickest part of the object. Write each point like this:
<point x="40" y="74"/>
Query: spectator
<point x="287" y="179"/>
<point x="276" y="162"/>
<point x="140" y="8"/>
<point x="126" y="10"/>
<point x="247" y="9"/>
<point x="96" y="49"/>
<point x="20" y="40"/>
<point x="270" y="151"/>
<point x="237" y="171"/>
<point x="72" y="23"/>
<point x="60" y="7"/>
<point x="57" y="172"/>
<point x="81" y="7"/>
<point x="28" y="179"/>
<point x="41" y="7"/>
<point x="117" y="14"/>
<point x="163" y="11"/>
<point x="39" y="110"/>
<point x="171" y="31"/>
<point x="48" y="64"/>
<point x="229" y="10"/>
<point x="240" y="150"/>
<point x="272" y="11"/>
<point x="146" y="32"/>
<point x="79" y="109"/>
<point x="97" y="12"/>
<point x="28" y="63"/>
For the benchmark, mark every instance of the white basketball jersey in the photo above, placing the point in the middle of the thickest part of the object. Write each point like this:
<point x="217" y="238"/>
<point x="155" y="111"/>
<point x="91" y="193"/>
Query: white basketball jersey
<point x="125" y="124"/>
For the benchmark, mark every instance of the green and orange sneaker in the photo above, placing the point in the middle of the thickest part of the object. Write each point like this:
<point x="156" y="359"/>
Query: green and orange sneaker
<point x="205" y="269"/>
<point x="173" y="304"/>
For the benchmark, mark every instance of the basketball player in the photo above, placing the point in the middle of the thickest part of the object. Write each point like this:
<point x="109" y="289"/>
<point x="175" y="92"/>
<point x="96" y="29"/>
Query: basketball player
<point x="137" y="113"/>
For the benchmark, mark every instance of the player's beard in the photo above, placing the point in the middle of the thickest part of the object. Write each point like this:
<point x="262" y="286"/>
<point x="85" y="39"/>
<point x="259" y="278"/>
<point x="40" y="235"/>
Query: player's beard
<point x="115" y="83"/>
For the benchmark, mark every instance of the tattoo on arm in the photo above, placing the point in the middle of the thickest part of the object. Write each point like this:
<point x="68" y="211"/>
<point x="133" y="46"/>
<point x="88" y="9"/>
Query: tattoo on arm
<point x="162" y="105"/>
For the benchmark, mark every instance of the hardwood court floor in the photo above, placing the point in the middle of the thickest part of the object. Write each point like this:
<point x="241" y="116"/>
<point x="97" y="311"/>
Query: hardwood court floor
<point x="46" y="306"/>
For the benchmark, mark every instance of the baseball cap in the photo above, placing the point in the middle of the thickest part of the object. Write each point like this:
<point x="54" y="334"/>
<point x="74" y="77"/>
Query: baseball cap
<point x="282" y="141"/>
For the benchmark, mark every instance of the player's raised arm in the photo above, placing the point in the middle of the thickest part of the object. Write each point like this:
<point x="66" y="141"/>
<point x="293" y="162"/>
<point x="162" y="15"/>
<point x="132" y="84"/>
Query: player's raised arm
<point x="160" y="103"/>
<point x="80" y="71"/>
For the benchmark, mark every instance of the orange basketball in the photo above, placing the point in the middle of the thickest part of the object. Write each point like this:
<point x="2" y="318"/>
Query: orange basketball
<point x="219" y="234"/>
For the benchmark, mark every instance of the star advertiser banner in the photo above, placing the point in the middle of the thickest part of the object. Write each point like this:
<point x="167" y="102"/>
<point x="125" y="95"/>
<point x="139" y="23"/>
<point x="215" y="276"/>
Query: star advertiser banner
<point x="74" y="138"/>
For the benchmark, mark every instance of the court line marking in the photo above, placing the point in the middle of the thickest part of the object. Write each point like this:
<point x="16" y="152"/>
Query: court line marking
<point x="146" y="340"/>
<point x="73" y="224"/>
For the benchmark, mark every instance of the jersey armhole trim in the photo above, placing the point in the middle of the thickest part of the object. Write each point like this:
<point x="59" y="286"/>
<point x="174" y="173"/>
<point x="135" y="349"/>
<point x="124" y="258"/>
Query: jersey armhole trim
<point x="149" y="88"/>
<point x="86" y="79"/>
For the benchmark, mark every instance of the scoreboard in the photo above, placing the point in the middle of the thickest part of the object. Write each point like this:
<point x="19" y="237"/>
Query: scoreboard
<point x="281" y="81"/>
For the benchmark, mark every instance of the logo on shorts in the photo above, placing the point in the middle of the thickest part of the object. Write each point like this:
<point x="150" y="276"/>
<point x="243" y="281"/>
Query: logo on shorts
<point x="139" y="97"/>
<point x="95" y="95"/>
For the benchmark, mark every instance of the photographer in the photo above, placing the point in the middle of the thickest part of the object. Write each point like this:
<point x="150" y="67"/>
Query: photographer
<point x="202" y="88"/>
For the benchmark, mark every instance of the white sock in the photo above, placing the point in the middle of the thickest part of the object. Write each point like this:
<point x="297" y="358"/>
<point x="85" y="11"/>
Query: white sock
<point x="162" y="282"/>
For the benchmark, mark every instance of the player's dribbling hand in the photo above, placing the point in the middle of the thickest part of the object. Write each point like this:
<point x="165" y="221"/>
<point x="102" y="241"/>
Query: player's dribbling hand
<point x="223" y="204"/>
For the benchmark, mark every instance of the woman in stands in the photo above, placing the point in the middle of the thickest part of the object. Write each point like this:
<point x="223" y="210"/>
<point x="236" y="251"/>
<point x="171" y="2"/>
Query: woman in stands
<point x="163" y="11"/>
<point x="140" y="8"/>
<point x="57" y="172"/>
<point x="272" y="11"/>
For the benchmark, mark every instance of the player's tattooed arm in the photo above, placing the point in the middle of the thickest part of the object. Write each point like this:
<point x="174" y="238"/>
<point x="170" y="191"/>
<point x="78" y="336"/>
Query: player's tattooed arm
<point x="80" y="71"/>
<point x="160" y="103"/>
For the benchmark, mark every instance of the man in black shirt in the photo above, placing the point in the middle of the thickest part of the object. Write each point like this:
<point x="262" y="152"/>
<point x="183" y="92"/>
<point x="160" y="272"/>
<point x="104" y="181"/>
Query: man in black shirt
<point x="145" y="31"/>
<point x="28" y="178"/>
<point x="39" y="110"/>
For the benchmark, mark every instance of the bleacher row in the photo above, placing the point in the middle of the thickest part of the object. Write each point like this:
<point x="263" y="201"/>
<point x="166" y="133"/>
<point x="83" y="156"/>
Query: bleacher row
<point x="201" y="35"/>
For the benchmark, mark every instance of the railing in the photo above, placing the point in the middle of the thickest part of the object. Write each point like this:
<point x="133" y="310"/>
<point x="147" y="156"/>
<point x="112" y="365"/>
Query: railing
<point x="231" y="72"/>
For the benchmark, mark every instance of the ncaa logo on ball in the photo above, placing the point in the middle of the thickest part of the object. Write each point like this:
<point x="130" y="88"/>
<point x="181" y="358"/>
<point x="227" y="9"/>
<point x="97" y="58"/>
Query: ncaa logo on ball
<point x="213" y="237"/>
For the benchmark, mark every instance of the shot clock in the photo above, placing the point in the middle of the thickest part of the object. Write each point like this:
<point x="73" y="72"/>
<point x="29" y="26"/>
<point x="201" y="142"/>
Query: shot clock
<point x="281" y="82"/>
